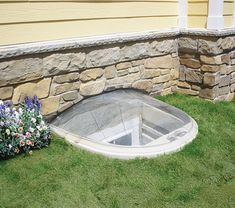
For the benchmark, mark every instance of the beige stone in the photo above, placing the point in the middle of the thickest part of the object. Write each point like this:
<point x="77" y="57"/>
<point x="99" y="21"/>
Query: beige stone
<point x="145" y="85"/>
<point x="92" y="88"/>
<point x="166" y="91"/>
<point x="137" y="62"/>
<point x="110" y="72"/>
<point x="193" y="76"/>
<point x="135" y="69"/>
<point x="195" y="87"/>
<point x="124" y="65"/>
<point x="160" y="79"/>
<point x="121" y="73"/>
<point x="182" y="73"/>
<point x="191" y="63"/>
<point x="71" y="77"/>
<point x="64" y="106"/>
<point x="40" y="89"/>
<point x="174" y="73"/>
<point x="183" y="85"/>
<point x="165" y="71"/>
<point x="69" y="96"/>
<point x="150" y="73"/>
<point x="211" y="68"/>
<point x="164" y="62"/>
<point x="209" y="93"/>
<point x="210" y="79"/>
<point x="91" y="74"/>
<point x="62" y="88"/>
<point x="215" y="60"/>
<point x="167" y="84"/>
<point x="6" y="93"/>
<point x="50" y="105"/>
<point x="187" y="91"/>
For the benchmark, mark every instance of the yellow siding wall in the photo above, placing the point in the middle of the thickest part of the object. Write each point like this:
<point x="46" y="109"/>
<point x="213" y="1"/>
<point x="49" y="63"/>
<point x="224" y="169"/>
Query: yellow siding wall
<point x="228" y="13"/>
<point x="197" y="13"/>
<point x="28" y="21"/>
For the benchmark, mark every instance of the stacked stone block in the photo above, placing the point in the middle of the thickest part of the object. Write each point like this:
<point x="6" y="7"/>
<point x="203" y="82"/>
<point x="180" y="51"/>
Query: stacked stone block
<point x="207" y="67"/>
<point x="64" y="78"/>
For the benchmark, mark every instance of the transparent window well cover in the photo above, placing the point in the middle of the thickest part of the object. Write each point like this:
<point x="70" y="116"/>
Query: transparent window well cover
<point x="125" y="118"/>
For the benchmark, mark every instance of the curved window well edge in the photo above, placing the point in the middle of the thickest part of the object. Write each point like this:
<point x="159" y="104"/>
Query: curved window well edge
<point x="126" y="153"/>
<point x="178" y="137"/>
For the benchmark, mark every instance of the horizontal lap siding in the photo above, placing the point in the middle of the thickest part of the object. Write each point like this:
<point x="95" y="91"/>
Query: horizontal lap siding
<point x="197" y="13"/>
<point x="228" y="13"/>
<point x="38" y="21"/>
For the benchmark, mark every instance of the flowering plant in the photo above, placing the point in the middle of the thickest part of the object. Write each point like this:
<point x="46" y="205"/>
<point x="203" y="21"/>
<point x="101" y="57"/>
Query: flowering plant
<point x="22" y="130"/>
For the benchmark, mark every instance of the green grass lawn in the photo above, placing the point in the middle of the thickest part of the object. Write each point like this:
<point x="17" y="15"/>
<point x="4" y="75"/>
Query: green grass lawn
<point x="201" y="175"/>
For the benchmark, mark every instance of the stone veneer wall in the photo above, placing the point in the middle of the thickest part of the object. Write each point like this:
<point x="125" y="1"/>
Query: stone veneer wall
<point x="201" y="64"/>
<point x="207" y="67"/>
<point x="63" y="78"/>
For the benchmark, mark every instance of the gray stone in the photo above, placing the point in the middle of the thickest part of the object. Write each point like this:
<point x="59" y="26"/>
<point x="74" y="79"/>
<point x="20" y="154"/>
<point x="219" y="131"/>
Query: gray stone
<point x="224" y="80"/>
<point x="224" y="90"/>
<point x="162" y="47"/>
<point x="135" y="51"/>
<point x="71" y="77"/>
<point x="137" y="62"/>
<point x="77" y="61"/>
<point x="227" y="43"/>
<point x="125" y="80"/>
<point x="187" y="45"/>
<point x="20" y="70"/>
<point x="209" y="47"/>
<point x="6" y="93"/>
<point x="232" y="87"/>
<point x="103" y="57"/>
<point x="92" y="87"/>
<point x="56" y="64"/>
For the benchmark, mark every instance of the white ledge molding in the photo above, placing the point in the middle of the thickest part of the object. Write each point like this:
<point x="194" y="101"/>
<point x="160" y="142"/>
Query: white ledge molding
<point x="76" y="43"/>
